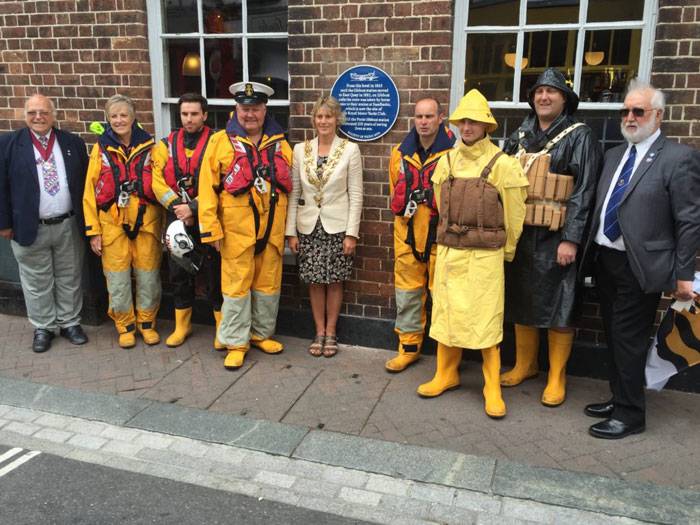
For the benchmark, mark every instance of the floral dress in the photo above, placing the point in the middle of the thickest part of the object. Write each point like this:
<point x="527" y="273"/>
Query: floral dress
<point x="321" y="259"/>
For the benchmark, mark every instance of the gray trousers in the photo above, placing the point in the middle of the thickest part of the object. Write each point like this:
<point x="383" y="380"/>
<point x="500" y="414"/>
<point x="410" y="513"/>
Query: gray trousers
<point x="50" y="270"/>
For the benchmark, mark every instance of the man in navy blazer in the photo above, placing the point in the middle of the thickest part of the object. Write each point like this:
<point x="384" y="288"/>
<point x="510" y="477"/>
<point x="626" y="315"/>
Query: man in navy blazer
<point x="645" y="234"/>
<point x="42" y="175"/>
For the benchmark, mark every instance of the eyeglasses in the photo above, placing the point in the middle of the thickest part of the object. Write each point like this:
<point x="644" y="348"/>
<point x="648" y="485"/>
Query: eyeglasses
<point x="637" y="112"/>
<point x="38" y="113"/>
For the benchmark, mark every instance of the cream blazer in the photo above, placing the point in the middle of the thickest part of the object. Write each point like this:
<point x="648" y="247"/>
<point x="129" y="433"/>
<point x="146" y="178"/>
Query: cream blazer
<point x="341" y="204"/>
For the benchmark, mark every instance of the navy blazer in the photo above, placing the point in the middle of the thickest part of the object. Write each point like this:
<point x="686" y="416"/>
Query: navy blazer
<point x="659" y="214"/>
<point x="19" y="181"/>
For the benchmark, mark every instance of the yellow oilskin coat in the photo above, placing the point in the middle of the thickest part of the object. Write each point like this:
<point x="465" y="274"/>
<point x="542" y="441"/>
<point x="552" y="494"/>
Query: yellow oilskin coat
<point x="120" y="254"/>
<point x="159" y="158"/>
<point x="250" y="283"/>
<point x="468" y="287"/>
<point x="410" y="274"/>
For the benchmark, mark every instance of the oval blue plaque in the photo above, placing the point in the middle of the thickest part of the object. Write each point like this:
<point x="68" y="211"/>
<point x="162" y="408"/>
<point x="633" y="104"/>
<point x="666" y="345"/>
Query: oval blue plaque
<point x="370" y="100"/>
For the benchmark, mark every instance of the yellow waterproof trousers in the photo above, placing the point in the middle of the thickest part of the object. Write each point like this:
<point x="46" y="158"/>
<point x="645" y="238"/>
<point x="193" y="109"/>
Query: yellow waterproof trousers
<point x="251" y="288"/>
<point x="121" y="255"/>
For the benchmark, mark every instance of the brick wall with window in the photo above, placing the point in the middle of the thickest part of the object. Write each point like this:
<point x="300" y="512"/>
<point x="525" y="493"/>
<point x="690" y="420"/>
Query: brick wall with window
<point x="79" y="53"/>
<point x="412" y="42"/>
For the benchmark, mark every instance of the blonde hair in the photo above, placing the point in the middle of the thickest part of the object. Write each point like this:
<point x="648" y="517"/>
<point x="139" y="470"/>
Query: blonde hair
<point x="332" y="105"/>
<point x="120" y="99"/>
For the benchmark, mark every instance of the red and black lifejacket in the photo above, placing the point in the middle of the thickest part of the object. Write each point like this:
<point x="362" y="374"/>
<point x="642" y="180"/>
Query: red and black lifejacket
<point x="182" y="172"/>
<point x="248" y="164"/>
<point x="414" y="184"/>
<point x="133" y="177"/>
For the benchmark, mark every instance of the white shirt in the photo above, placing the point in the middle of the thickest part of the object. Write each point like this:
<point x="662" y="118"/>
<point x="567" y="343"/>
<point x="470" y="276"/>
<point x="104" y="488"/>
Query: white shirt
<point x="642" y="149"/>
<point x="59" y="204"/>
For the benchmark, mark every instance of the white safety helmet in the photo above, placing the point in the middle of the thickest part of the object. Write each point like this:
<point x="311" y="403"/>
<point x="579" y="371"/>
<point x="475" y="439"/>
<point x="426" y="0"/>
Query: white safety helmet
<point x="177" y="240"/>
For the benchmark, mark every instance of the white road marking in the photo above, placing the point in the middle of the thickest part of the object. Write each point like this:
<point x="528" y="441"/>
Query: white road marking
<point x="18" y="462"/>
<point x="10" y="453"/>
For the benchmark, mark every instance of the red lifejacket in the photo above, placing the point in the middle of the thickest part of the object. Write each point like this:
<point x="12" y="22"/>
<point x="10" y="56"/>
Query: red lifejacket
<point x="414" y="184"/>
<point x="182" y="172"/>
<point x="132" y="176"/>
<point x="248" y="163"/>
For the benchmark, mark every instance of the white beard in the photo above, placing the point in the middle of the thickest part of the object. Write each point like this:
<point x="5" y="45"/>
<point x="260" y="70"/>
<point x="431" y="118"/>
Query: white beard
<point x="641" y="133"/>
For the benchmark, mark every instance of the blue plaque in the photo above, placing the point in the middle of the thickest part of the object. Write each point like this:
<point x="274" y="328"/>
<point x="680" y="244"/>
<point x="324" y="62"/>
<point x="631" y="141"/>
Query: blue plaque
<point x="370" y="100"/>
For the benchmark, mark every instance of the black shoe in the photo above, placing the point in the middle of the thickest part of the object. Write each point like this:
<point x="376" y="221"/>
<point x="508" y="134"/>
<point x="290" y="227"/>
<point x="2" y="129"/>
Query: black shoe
<point x="614" y="429"/>
<point x="74" y="334"/>
<point x="603" y="410"/>
<point x="42" y="340"/>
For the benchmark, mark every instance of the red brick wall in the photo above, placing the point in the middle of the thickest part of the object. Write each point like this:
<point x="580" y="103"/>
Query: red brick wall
<point x="676" y="67"/>
<point x="412" y="42"/>
<point x="79" y="53"/>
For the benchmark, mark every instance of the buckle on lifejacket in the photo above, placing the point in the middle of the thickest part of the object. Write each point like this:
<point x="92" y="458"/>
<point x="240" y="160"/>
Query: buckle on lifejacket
<point x="261" y="173"/>
<point x="126" y="188"/>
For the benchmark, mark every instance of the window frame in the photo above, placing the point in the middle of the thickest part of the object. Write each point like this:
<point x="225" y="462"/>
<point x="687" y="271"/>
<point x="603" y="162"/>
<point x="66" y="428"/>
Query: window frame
<point x="156" y="41"/>
<point x="461" y="30"/>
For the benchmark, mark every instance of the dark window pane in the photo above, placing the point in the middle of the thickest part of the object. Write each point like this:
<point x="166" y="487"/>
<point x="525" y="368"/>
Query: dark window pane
<point x="550" y="48"/>
<point x="179" y="16"/>
<point x="552" y="11"/>
<point x="493" y="12"/>
<point x="224" y="65"/>
<point x="267" y="16"/>
<point x="183" y="63"/>
<point x="615" y="10"/>
<point x="539" y="46"/>
<point x="222" y="16"/>
<point x="610" y="61"/>
<point x="487" y="65"/>
<point x="268" y="64"/>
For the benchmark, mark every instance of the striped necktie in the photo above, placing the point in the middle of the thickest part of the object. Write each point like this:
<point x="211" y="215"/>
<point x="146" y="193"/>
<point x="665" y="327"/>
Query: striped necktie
<point x="49" y="168"/>
<point x="611" y="226"/>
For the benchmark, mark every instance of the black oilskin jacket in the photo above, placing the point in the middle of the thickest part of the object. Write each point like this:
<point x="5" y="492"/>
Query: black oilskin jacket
<point x="539" y="292"/>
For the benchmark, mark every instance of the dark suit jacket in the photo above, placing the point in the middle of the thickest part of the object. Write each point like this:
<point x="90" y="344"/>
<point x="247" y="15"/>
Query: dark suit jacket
<point x="659" y="213"/>
<point x="19" y="181"/>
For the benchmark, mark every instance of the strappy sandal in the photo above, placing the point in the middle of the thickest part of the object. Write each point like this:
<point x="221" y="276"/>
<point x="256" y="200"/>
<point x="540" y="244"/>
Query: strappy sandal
<point x="316" y="346"/>
<point x="330" y="348"/>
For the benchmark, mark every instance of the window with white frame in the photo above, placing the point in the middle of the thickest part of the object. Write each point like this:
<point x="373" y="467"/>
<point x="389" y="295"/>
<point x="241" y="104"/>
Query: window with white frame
<point x="501" y="46"/>
<point x="204" y="46"/>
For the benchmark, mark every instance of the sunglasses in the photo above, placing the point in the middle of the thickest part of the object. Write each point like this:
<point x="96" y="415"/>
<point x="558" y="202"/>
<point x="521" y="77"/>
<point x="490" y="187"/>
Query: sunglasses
<point x="637" y="112"/>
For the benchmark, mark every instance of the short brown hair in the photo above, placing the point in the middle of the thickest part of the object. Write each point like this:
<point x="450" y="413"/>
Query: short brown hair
<point x="332" y="105"/>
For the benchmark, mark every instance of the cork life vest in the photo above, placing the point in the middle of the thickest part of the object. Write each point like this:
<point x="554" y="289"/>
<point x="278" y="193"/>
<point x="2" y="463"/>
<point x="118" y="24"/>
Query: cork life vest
<point x="181" y="172"/>
<point x="547" y="192"/>
<point x="471" y="212"/>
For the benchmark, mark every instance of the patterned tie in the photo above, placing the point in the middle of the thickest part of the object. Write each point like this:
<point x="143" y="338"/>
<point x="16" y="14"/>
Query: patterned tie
<point x="611" y="226"/>
<point x="49" y="169"/>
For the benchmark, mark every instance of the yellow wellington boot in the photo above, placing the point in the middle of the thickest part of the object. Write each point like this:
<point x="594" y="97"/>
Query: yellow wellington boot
<point x="560" y="343"/>
<point x="527" y="345"/>
<point x="269" y="346"/>
<point x="147" y="331"/>
<point x="494" y="405"/>
<point x="235" y="357"/>
<point x="127" y="339"/>
<point x="183" y="327"/>
<point x="218" y="345"/>
<point x="408" y="354"/>
<point x="446" y="373"/>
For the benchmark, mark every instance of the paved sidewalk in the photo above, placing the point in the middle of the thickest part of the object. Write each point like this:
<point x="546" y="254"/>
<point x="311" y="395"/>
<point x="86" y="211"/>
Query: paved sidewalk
<point x="304" y="483"/>
<point x="351" y="394"/>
